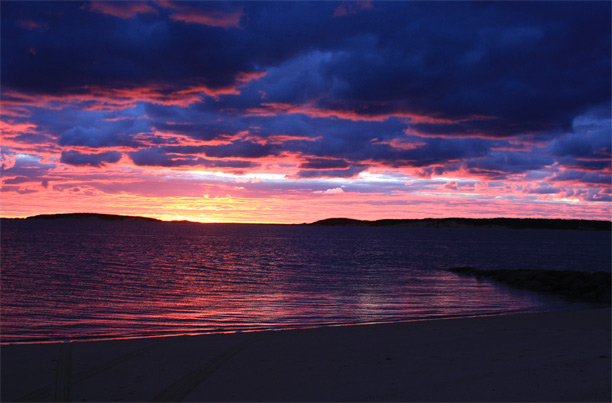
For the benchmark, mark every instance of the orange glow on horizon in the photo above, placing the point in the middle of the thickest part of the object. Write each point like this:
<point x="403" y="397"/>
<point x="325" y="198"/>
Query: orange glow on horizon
<point x="295" y="209"/>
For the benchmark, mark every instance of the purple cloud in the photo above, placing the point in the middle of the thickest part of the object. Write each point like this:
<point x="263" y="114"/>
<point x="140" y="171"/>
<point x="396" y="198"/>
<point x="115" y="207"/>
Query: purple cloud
<point x="512" y="92"/>
<point x="73" y="157"/>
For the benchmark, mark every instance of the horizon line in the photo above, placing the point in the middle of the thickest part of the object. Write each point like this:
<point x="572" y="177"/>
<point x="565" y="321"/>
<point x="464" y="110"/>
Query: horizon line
<point x="312" y="222"/>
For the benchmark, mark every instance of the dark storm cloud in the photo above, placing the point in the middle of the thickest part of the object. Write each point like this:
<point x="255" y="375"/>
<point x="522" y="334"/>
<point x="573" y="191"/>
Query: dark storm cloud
<point x="531" y="65"/>
<point x="448" y="77"/>
<point x="18" y="180"/>
<point x="586" y="164"/>
<point x="243" y="149"/>
<point x="596" y="196"/>
<point x="518" y="68"/>
<point x="240" y="149"/>
<point x="96" y="137"/>
<point x="24" y="170"/>
<point x="438" y="150"/>
<point x="201" y="131"/>
<point x="337" y="141"/>
<point x="582" y="176"/>
<point x="17" y="189"/>
<point x="344" y="140"/>
<point x="32" y="138"/>
<point x="72" y="126"/>
<point x="81" y="50"/>
<point x="324" y="163"/>
<point x="591" y="138"/>
<point x="73" y="157"/>
<point x="157" y="156"/>
<point x="478" y="127"/>
<point x="543" y="190"/>
<point x="588" y="147"/>
<point x="351" y="172"/>
<point x="509" y="162"/>
<point x="331" y="138"/>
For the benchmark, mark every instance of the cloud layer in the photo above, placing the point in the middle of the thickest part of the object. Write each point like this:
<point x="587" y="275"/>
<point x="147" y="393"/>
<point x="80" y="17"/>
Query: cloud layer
<point x="484" y="109"/>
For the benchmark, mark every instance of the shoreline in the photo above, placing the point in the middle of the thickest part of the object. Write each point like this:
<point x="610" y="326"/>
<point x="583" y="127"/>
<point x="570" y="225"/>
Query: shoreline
<point x="431" y="222"/>
<point x="593" y="287"/>
<point x="280" y="328"/>
<point x="552" y="356"/>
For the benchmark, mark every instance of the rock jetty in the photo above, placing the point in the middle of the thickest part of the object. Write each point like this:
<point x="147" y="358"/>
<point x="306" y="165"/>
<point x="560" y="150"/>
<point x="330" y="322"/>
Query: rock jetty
<point x="577" y="285"/>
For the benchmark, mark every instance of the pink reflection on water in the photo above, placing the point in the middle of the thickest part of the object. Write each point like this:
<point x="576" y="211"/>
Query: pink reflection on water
<point x="112" y="281"/>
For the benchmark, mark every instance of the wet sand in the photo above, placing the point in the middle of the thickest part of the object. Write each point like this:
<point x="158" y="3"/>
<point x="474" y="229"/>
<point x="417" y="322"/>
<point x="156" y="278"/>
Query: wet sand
<point x="557" y="356"/>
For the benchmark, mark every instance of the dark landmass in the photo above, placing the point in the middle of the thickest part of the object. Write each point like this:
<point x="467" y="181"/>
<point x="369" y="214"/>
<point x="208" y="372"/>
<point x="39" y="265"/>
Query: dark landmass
<point x="91" y="216"/>
<point x="512" y="223"/>
<point x="509" y="223"/>
<point x="577" y="285"/>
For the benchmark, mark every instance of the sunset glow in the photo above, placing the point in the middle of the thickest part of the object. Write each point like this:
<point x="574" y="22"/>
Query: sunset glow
<point x="281" y="112"/>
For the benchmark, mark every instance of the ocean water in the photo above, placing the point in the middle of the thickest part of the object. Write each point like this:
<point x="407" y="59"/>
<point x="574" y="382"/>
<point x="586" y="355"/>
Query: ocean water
<point x="87" y="279"/>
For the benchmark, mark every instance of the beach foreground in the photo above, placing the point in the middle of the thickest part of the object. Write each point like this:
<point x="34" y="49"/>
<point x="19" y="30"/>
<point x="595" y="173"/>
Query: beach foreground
<point x="556" y="356"/>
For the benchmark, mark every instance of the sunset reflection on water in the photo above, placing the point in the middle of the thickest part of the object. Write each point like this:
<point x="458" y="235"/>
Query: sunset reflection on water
<point x="76" y="280"/>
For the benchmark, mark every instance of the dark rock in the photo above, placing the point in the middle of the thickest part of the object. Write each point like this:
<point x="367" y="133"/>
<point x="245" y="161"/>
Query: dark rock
<point x="590" y="287"/>
<point x="605" y="296"/>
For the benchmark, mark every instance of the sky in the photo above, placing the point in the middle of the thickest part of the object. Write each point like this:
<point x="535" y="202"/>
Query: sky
<point x="290" y="112"/>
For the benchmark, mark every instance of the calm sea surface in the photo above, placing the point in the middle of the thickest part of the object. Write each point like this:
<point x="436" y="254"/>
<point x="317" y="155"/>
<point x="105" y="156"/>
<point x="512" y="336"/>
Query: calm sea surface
<point x="70" y="280"/>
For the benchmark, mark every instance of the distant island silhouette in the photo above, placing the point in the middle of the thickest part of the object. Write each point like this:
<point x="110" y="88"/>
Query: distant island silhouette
<point x="510" y="223"/>
<point x="91" y="216"/>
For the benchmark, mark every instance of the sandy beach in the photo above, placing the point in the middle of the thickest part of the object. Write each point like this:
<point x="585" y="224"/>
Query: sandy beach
<point x="556" y="356"/>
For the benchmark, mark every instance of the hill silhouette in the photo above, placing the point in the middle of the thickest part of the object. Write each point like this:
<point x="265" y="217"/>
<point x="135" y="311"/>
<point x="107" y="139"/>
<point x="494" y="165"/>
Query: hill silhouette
<point x="513" y="223"/>
<point x="91" y="216"/>
<point x="510" y="223"/>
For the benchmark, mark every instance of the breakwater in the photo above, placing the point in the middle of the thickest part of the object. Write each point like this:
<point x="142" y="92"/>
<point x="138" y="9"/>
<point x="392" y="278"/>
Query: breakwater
<point x="579" y="285"/>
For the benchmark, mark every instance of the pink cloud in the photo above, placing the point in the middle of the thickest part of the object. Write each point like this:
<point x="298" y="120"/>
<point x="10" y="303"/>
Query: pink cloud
<point x="283" y="138"/>
<point x="244" y="77"/>
<point x="211" y="18"/>
<point x="14" y="110"/>
<point x="29" y="24"/>
<point x="170" y="138"/>
<point x="401" y="143"/>
<point x="452" y="185"/>
<point x="26" y="138"/>
<point x="275" y="108"/>
<point x="8" y="161"/>
<point x="105" y="99"/>
<point x="14" y="129"/>
<point x="352" y="7"/>
<point x="331" y="191"/>
<point x="121" y="9"/>
<point x="541" y="189"/>
<point x="169" y="194"/>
